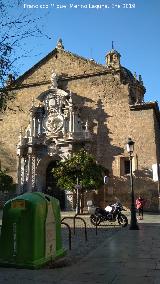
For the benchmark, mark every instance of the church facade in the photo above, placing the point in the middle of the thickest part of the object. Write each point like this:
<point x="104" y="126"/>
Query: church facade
<point x="54" y="132"/>
<point x="66" y="102"/>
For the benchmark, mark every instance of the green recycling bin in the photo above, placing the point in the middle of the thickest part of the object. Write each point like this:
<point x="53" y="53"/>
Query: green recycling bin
<point x="31" y="231"/>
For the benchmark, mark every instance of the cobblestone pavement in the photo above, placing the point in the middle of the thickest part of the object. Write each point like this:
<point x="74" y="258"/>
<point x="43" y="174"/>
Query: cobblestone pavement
<point x="79" y="246"/>
<point x="114" y="256"/>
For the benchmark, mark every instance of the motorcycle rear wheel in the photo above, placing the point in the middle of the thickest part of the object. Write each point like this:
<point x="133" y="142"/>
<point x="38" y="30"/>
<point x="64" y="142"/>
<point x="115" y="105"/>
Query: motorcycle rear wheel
<point x="123" y="220"/>
<point x="95" y="220"/>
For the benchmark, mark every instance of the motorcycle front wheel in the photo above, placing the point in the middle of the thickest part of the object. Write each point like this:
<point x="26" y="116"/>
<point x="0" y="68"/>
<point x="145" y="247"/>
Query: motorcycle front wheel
<point x="95" y="220"/>
<point x="122" y="220"/>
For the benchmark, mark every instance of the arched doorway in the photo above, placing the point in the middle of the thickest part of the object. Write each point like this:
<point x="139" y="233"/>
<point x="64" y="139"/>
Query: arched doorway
<point x="51" y="185"/>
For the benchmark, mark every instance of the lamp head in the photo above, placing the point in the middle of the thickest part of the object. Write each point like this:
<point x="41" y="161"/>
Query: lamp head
<point x="130" y="146"/>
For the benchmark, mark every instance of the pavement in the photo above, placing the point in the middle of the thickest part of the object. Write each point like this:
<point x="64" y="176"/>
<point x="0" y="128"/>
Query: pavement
<point x="124" y="257"/>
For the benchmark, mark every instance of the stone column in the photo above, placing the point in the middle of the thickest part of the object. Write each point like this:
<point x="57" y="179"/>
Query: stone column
<point x="34" y="127"/>
<point x="70" y="121"/>
<point x="29" y="188"/>
<point x="20" y="175"/>
<point x="30" y="169"/>
<point x="73" y="121"/>
<point x="33" y="172"/>
<point x="64" y="127"/>
<point x="32" y="124"/>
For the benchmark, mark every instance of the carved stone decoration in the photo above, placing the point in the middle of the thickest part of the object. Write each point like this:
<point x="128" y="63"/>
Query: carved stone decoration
<point x="33" y="171"/>
<point x="25" y="177"/>
<point x="52" y="149"/>
<point x="54" y="79"/>
<point x="53" y="133"/>
<point x="53" y="123"/>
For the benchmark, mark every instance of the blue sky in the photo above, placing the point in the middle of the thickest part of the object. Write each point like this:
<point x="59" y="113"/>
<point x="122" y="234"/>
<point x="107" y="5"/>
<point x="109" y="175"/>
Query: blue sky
<point x="89" y="32"/>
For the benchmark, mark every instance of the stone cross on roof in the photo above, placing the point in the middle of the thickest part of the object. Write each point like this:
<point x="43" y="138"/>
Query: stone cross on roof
<point x="60" y="44"/>
<point x="112" y="44"/>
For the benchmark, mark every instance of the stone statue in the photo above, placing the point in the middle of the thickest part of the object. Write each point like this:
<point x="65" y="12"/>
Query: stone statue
<point x="54" y="79"/>
<point x="135" y="75"/>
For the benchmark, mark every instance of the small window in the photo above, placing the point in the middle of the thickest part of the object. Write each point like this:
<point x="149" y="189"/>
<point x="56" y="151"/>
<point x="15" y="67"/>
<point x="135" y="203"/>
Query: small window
<point x="126" y="166"/>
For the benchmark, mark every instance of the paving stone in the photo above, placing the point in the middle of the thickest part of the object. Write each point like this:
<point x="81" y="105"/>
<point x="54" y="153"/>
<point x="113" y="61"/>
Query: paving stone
<point x="113" y="256"/>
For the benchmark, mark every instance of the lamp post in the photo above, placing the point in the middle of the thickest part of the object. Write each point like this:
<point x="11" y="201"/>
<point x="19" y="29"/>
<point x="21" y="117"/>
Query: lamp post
<point x="105" y="181"/>
<point x="78" y="187"/>
<point x="133" y="223"/>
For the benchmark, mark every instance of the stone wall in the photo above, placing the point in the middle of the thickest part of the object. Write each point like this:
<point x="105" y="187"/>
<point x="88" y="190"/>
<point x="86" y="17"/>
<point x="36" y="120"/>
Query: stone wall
<point x="104" y="101"/>
<point x="144" y="134"/>
<point x="38" y="81"/>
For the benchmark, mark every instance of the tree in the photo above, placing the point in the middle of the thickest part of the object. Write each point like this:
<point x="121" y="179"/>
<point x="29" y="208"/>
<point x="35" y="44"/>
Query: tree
<point x="15" y="28"/>
<point x="6" y="181"/>
<point x="83" y="169"/>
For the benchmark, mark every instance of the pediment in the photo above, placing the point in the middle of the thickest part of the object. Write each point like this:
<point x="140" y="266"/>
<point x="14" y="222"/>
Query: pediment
<point x="59" y="92"/>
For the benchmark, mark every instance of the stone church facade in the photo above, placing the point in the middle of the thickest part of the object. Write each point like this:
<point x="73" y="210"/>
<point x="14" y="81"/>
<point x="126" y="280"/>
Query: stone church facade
<point x="55" y="131"/>
<point x="66" y="102"/>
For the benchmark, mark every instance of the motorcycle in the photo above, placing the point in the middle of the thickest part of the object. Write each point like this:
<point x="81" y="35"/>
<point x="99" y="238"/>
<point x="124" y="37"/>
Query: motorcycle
<point x="111" y="213"/>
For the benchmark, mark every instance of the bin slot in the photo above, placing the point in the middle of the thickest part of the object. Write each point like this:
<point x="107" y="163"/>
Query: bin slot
<point x="47" y="197"/>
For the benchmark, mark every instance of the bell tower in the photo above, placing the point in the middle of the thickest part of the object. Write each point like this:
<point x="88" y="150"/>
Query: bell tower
<point x="113" y="58"/>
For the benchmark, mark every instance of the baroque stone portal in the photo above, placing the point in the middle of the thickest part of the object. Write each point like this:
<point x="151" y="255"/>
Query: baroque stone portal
<point x="55" y="131"/>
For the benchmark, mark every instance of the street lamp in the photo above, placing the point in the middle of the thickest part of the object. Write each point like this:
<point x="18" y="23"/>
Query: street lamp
<point x="105" y="181"/>
<point x="133" y="223"/>
<point x="78" y="188"/>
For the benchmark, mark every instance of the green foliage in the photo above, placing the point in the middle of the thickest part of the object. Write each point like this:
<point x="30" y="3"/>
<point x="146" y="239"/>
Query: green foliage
<point x="6" y="181"/>
<point x="5" y="96"/>
<point x="81" y="168"/>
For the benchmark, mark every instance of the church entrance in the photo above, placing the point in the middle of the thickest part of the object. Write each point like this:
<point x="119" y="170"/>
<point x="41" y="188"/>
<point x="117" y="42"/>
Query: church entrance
<point x="51" y="185"/>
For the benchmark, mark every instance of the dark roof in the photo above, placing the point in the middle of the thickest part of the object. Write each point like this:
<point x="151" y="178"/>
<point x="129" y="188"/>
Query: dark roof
<point x="127" y="74"/>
